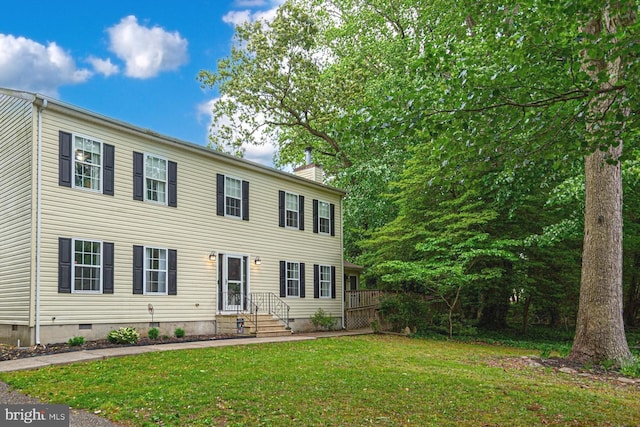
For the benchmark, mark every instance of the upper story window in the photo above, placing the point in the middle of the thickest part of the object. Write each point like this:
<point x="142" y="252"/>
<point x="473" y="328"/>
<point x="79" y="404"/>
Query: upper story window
<point x="85" y="163"/>
<point x="155" y="271"/>
<point x="87" y="266"/>
<point x="291" y="210"/>
<point x="232" y="197"/>
<point x="155" y="173"/>
<point x="155" y="179"/>
<point x="291" y="207"/>
<point x="323" y="217"/>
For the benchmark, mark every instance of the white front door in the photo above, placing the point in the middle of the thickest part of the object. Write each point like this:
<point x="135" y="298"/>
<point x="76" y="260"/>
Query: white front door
<point x="233" y="281"/>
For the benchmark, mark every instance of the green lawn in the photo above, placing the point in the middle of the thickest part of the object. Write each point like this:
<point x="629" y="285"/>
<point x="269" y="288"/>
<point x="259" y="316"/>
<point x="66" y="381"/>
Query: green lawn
<point x="352" y="381"/>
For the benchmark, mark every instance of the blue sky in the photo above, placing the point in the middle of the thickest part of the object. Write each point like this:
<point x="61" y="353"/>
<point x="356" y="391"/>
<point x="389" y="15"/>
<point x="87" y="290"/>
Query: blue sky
<point x="133" y="60"/>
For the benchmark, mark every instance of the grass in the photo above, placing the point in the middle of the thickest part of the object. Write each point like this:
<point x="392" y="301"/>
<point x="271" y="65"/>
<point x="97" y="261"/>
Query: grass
<point x="347" y="381"/>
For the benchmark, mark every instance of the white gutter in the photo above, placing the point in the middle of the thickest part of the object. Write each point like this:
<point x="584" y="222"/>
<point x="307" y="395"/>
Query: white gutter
<point x="39" y="219"/>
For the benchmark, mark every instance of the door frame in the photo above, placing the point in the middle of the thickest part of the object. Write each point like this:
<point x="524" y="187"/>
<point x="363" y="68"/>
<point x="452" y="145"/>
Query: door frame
<point x="223" y="274"/>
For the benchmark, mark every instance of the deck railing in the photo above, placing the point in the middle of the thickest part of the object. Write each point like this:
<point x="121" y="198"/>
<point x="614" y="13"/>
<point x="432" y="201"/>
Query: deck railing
<point x="362" y="298"/>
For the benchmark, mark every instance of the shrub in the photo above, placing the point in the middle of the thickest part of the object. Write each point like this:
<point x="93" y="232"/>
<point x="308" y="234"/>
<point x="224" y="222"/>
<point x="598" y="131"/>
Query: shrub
<point x="76" y="341"/>
<point x="153" y="333"/>
<point x="320" y="319"/>
<point x="123" y="336"/>
<point x="631" y="368"/>
<point x="179" y="332"/>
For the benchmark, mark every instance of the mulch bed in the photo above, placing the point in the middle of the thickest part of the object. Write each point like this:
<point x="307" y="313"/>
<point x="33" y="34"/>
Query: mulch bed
<point x="11" y="352"/>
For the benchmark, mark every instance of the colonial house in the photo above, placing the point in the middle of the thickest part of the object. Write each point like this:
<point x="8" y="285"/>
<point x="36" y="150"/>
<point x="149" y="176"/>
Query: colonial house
<point x="104" y="224"/>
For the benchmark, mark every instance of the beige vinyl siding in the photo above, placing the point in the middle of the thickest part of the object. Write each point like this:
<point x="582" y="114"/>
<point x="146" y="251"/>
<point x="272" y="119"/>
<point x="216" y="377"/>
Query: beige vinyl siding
<point x="16" y="139"/>
<point x="193" y="229"/>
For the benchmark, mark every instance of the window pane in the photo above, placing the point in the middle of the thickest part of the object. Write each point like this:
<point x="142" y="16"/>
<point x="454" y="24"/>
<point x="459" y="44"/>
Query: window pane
<point x="155" y="270"/>
<point x="87" y="159"/>
<point x="292" y="202"/>
<point x="233" y="187"/>
<point x="156" y="177"/>
<point x="87" y="260"/>
<point x="324" y="209"/>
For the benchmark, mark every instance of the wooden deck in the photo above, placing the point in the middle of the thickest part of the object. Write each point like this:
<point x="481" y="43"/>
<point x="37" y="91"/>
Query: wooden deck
<point x="361" y="307"/>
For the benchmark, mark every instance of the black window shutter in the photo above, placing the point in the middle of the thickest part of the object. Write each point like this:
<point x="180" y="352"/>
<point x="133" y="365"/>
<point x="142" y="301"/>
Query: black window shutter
<point x="138" y="269"/>
<point x="316" y="281"/>
<point x="283" y="279"/>
<point x="220" y="264"/>
<point x="332" y="208"/>
<point x="109" y="169"/>
<point x="64" y="159"/>
<point x="281" y="208"/>
<point x="302" y="280"/>
<point x="173" y="272"/>
<point x="301" y="210"/>
<point x="315" y="216"/>
<point x="245" y="200"/>
<point x="138" y="176"/>
<point x="64" y="265"/>
<point x="172" y="168"/>
<point x="333" y="281"/>
<point x="220" y="194"/>
<point x="107" y="268"/>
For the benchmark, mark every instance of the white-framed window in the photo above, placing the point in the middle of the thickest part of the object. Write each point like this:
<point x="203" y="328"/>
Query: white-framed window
<point x="293" y="279"/>
<point x="324" y="217"/>
<point x="87" y="266"/>
<point x="155" y="173"/>
<point x="87" y="163"/>
<point x="292" y="210"/>
<point x="233" y="197"/>
<point x="155" y="271"/>
<point x="325" y="281"/>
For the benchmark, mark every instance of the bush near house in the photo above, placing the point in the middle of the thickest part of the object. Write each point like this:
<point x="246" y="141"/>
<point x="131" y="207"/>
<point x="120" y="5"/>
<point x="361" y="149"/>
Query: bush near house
<point x="123" y="336"/>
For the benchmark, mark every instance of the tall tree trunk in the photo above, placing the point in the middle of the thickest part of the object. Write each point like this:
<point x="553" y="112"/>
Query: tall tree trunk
<point x="599" y="326"/>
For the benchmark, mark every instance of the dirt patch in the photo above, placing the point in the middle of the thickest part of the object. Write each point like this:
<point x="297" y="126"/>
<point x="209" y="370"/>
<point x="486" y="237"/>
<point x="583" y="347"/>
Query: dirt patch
<point x="11" y="352"/>
<point x="561" y="366"/>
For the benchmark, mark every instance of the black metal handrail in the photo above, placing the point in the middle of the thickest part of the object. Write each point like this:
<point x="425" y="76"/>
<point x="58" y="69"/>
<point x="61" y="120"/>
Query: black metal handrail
<point x="271" y="304"/>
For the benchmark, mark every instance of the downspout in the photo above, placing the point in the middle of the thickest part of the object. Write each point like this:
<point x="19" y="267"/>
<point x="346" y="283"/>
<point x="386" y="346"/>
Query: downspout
<point x="39" y="218"/>
<point x="344" y="325"/>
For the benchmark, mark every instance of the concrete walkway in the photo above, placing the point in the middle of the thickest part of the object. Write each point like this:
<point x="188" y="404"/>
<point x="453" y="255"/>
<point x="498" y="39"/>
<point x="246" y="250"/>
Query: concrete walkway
<point x="85" y="419"/>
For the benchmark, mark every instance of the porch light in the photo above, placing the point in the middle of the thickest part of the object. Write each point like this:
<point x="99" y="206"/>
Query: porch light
<point x="257" y="261"/>
<point x="212" y="256"/>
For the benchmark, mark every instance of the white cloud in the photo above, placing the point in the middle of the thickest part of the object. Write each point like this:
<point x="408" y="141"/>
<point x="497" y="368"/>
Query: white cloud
<point x="29" y="65"/>
<point x="251" y="3"/>
<point x="262" y="154"/>
<point x="237" y="17"/>
<point x="146" y="51"/>
<point x="103" y="66"/>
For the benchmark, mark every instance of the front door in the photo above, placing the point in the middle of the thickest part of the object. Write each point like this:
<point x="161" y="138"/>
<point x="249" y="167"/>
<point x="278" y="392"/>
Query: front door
<point x="233" y="283"/>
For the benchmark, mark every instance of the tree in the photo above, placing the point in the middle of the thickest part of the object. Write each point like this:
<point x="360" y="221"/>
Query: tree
<point x="511" y="86"/>
<point x="571" y="68"/>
